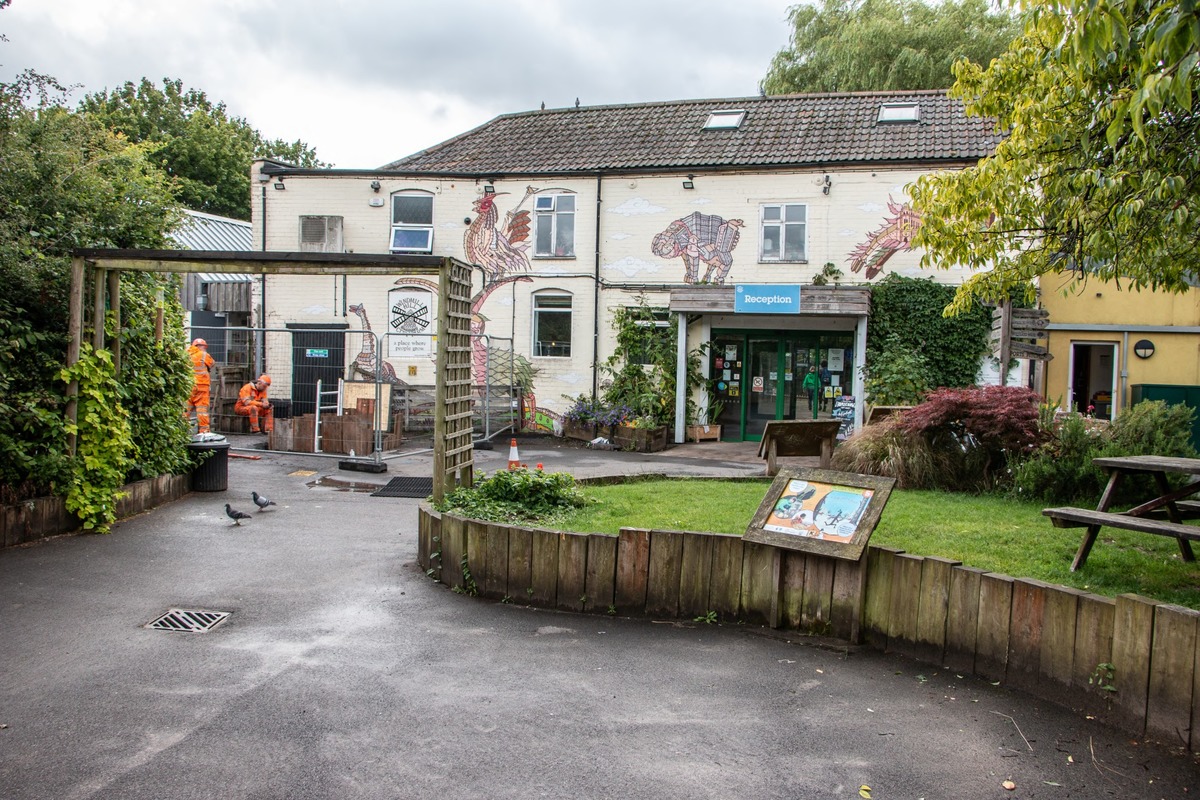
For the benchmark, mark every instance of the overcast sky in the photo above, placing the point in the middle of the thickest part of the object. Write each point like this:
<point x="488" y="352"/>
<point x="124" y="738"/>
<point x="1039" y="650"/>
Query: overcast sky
<point x="366" y="82"/>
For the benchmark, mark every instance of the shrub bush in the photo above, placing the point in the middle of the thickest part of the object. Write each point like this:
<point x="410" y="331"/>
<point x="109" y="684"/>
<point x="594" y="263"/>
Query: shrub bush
<point x="1061" y="470"/>
<point x="519" y="495"/>
<point x="958" y="439"/>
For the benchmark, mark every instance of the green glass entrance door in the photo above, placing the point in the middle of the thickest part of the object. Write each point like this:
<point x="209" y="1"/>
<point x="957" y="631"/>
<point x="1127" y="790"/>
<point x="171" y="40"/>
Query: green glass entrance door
<point x="764" y="379"/>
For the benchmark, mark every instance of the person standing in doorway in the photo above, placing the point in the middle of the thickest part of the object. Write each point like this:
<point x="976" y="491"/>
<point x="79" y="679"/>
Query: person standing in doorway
<point x="252" y="402"/>
<point x="812" y="385"/>
<point x="202" y="364"/>
<point x="826" y="379"/>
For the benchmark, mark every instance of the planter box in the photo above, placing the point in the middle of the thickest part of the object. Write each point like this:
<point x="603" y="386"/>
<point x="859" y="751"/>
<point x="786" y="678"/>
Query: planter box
<point x="640" y="440"/>
<point x="583" y="431"/>
<point x="703" y="433"/>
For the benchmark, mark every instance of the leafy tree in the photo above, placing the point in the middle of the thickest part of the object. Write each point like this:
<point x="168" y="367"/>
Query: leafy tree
<point x="67" y="182"/>
<point x="205" y="150"/>
<point x="1100" y="173"/>
<point x="878" y="45"/>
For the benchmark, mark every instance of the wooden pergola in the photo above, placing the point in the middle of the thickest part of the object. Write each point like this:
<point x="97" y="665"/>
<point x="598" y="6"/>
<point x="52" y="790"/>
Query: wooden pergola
<point x="453" y="447"/>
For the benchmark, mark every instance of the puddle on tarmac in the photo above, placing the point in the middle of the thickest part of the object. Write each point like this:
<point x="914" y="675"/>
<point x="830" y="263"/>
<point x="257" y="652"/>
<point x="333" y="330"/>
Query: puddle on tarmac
<point x="339" y="485"/>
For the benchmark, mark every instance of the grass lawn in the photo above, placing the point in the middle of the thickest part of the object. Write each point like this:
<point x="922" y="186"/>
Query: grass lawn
<point x="992" y="533"/>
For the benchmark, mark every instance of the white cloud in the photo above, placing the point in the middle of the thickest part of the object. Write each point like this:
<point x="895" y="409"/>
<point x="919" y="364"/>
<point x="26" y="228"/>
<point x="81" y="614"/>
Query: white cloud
<point x="847" y="232"/>
<point x="620" y="237"/>
<point x="317" y="310"/>
<point x="635" y="206"/>
<point x="701" y="201"/>
<point x="870" y="208"/>
<point x="630" y="266"/>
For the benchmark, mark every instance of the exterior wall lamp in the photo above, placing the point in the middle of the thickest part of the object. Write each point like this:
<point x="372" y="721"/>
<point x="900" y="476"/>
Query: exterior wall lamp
<point x="825" y="185"/>
<point x="375" y="186"/>
<point x="1144" y="348"/>
<point x="279" y="186"/>
<point x="489" y="189"/>
<point x="690" y="183"/>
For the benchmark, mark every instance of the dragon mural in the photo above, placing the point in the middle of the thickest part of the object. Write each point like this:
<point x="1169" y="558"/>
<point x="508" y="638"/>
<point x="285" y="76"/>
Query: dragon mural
<point x="700" y="239"/>
<point x="895" y="235"/>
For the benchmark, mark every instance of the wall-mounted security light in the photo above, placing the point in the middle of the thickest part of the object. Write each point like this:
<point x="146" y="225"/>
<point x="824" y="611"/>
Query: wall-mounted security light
<point x="1144" y="348"/>
<point x="690" y="183"/>
<point x="279" y="186"/>
<point x="489" y="189"/>
<point x="825" y="184"/>
<point x="264" y="177"/>
<point x="375" y="186"/>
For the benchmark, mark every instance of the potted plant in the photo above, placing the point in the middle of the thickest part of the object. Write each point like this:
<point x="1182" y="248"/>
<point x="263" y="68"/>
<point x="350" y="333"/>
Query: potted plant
<point x="579" y="421"/>
<point x="643" y="434"/>
<point x="707" y="428"/>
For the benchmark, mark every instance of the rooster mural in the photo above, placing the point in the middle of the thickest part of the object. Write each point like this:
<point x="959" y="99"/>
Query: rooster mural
<point x="498" y="251"/>
<point x="896" y="234"/>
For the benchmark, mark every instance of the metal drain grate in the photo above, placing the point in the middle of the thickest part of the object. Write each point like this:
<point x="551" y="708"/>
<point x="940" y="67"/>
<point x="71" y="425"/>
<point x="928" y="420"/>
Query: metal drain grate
<point x="189" y="621"/>
<point x="405" y="487"/>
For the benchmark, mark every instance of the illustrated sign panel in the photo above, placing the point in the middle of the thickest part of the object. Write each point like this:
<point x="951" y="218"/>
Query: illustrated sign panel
<point x="821" y="511"/>
<point x="411" y="318"/>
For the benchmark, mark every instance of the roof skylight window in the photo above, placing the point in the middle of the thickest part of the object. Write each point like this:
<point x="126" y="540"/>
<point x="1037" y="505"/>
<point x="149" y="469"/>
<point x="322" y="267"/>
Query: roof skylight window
<point x="899" y="112"/>
<point x="724" y="119"/>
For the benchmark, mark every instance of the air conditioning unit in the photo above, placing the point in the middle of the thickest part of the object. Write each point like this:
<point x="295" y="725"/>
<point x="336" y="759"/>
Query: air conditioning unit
<point x="321" y="234"/>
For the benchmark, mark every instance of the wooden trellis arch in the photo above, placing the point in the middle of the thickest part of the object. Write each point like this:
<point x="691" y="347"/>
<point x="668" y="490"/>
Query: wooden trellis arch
<point x="453" y="447"/>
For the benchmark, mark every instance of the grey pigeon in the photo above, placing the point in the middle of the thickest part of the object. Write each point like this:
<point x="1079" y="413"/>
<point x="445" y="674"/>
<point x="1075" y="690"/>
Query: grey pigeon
<point x="261" y="501"/>
<point x="235" y="515"/>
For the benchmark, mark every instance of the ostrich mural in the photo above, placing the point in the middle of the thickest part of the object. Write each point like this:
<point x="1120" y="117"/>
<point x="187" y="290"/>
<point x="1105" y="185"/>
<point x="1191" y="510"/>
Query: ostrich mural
<point x="367" y="362"/>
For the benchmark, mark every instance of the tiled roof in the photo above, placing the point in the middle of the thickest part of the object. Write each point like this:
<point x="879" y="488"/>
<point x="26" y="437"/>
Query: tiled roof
<point x="791" y="130"/>
<point x="202" y="231"/>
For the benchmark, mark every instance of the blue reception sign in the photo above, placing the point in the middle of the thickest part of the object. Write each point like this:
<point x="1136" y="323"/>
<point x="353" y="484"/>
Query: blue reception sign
<point x="766" y="298"/>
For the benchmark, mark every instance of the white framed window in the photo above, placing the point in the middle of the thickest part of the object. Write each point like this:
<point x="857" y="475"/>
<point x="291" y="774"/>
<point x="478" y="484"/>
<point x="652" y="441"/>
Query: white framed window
<point x="554" y="226"/>
<point x="784" y="232"/>
<point x="412" y="222"/>
<point x="899" y="112"/>
<point x="552" y="325"/>
<point x="320" y="234"/>
<point x="660" y="320"/>
<point x="724" y="118"/>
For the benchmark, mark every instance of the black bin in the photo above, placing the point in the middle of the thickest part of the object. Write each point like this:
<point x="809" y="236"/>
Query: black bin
<point x="210" y="466"/>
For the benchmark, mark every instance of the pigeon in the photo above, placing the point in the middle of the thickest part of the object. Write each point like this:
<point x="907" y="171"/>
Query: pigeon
<point x="261" y="501"/>
<point x="235" y="515"/>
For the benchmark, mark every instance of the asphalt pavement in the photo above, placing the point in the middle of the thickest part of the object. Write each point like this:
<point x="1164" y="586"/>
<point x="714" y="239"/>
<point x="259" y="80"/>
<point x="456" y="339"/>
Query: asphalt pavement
<point x="343" y="672"/>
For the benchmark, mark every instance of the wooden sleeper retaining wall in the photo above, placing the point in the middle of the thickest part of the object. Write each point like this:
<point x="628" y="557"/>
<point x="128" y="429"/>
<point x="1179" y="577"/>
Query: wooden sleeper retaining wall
<point x="1051" y="641"/>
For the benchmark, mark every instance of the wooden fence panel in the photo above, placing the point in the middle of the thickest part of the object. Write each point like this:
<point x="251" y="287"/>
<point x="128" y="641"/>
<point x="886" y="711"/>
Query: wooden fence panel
<point x="816" y="608"/>
<point x="520" y="564"/>
<point x="1093" y="647"/>
<point x="725" y="592"/>
<point x="477" y="544"/>
<point x="545" y="568"/>
<point x="906" y="602"/>
<point x="572" y="571"/>
<point x="495" y="580"/>
<point x="1133" y="627"/>
<point x="454" y="547"/>
<point x="877" y="602"/>
<point x="995" y="612"/>
<point x="662" y="583"/>
<point x="1025" y="633"/>
<point x="846" y="613"/>
<point x="633" y="568"/>
<point x="1057" y="657"/>
<point x="760" y="584"/>
<point x="695" y="575"/>
<point x="962" y="619"/>
<point x="933" y="609"/>
<point x="791" y="589"/>
<point x="601" y="572"/>
<point x="1173" y="673"/>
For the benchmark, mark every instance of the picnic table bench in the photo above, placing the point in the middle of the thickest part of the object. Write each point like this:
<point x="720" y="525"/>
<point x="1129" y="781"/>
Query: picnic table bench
<point x="1144" y="518"/>
<point x="798" y="437"/>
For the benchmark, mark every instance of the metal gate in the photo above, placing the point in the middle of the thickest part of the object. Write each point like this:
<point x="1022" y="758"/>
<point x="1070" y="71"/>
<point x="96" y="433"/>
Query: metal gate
<point x="318" y="354"/>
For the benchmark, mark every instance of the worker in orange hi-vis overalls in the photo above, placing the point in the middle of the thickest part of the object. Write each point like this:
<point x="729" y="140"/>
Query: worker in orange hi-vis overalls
<point x="197" y="404"/>
<point x="252" y="402"/>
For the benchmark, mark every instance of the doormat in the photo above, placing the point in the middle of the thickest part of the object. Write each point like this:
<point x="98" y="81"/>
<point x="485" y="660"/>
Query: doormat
<point x="406" y="487"/>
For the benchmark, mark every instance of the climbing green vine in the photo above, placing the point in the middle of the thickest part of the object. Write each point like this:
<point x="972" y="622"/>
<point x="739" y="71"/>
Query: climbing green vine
<point x="103" y="441"/>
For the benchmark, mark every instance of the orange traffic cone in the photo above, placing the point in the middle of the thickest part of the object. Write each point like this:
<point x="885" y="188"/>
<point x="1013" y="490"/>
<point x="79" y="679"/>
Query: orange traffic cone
<point x="514" y="460"/>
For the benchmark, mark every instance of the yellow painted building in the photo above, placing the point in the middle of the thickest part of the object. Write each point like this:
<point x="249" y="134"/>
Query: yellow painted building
<point x="1107" y="339"/>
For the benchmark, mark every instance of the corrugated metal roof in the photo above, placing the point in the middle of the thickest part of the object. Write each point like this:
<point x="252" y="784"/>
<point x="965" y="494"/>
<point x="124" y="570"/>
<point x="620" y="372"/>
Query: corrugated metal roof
<point x="778" y="132"/>
<point x="209" y="232"/>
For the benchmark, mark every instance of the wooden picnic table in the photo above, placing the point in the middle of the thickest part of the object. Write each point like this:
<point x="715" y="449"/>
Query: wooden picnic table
<point x="1146" y="517"/>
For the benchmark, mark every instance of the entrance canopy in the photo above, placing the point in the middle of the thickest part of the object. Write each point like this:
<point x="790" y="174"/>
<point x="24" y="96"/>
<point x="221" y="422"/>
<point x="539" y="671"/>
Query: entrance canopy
<point x="452" y="447"/>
